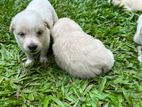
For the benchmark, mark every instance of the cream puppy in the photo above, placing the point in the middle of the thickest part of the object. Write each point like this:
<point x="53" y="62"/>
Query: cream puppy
<point x="79" y="53"/>
<point x="138" y="38"/>
<point x="138" y="34"/>
<point x="131" y="5"/>
<point x="31" y="28"/>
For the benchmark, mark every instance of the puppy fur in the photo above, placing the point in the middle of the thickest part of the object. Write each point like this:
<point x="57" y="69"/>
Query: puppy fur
<point x="31" y="28"/>
<point x="130" y="5"/>
<point x="79" y="53"/>
<point x="138" y="34"/>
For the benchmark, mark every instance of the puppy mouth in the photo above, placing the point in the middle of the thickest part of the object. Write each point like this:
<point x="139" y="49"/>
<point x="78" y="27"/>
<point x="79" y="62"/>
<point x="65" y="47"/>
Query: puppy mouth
<point x="34" y="52"/>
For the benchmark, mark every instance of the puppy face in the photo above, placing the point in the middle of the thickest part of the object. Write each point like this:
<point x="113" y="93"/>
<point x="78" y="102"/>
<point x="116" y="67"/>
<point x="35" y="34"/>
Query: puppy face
<point x="30" y="32"/>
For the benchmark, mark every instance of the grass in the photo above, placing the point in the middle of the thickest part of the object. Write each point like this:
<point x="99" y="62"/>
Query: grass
<point x="42" y="87"/>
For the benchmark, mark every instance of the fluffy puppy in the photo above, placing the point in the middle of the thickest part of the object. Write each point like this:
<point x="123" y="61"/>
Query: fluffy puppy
<point x="79" y="53"/>
<point x="131" y="5"/>
<point x="138" y="38"/>
<point x="31" y="28"/>
<point x="139" y="49"/>
<point x="138" y="34"/>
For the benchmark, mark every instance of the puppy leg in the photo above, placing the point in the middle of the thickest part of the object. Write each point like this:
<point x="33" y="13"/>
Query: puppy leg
<point x="30" y="60"/>
<point x="43" y="56"/>
<point x="139" y="49"/>
<point x="117" y="2"/>
<point x="137" y="38"/>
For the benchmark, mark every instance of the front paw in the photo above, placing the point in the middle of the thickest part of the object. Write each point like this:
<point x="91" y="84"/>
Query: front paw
<point x="140" y="58"/>
<point x="43" y="59"/>
<point x="29" y="62"/>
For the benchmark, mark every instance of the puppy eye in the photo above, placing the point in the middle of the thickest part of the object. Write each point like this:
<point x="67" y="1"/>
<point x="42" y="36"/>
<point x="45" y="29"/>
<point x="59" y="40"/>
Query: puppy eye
<point x="22" y="34"/>
<point x="39" y="33"/>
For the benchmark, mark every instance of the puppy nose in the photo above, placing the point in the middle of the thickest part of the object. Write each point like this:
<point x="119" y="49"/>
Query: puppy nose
<point x="32" y="47"/>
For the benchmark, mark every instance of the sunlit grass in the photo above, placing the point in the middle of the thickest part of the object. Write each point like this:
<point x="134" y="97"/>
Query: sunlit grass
<point x="41" y="86"/>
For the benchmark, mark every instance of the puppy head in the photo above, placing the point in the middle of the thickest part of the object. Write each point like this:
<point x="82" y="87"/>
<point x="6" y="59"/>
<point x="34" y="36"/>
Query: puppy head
<point x="30" y="31"/>
<point x="64" y="25"/>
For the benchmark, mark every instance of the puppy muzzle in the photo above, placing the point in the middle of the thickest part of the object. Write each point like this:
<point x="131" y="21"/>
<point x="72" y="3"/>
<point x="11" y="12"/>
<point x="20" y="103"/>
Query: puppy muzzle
<point x="33" y="48"/>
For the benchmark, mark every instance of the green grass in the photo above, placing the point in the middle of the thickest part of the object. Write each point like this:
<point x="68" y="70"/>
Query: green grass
<point x="41" y="86"/>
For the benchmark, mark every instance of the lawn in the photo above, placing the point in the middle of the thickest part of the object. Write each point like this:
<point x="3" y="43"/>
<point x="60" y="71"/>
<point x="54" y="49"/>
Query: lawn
<point x="42" y="86"/>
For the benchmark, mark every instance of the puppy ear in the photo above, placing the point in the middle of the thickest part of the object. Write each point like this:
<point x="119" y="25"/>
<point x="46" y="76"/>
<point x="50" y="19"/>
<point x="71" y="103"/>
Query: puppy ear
<point x="47" y="25"/>
<point x="11" y="28"/>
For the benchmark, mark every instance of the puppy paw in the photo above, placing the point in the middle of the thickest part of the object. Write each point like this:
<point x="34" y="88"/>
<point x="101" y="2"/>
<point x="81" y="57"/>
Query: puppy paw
<point x="28" y="63"/>
<point x="140" y="58"/>
<point x="117" y="2"/>
<point x="43" y="59"/>
<point x="139" y="49"/>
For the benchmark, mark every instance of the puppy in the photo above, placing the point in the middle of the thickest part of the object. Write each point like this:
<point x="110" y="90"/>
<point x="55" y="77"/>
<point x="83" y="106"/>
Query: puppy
<point x="79" y="53"/>
<point x="130" y="5"/>
<point x="31" y="28"/>
<point x="138" y="38"/>
<point x="138" y="34"/>
<point x="139" y="49"/>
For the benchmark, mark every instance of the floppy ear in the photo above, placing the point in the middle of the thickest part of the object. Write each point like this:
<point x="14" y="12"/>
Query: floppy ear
<point x="47" y="25"/>
<point x="11" y="28"/>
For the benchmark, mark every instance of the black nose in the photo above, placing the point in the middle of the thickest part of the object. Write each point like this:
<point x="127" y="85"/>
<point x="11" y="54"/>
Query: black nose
<point x="32" y="47"/>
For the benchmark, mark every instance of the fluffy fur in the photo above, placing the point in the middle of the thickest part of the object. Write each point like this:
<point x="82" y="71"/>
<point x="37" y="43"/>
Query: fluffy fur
<point x="138" y="34"/>
<point x="79" y="53"/>
<point x="131" y="5"/>
<point x="138" y="38"/>
<point x="31" y="28"/>
<point x="139" y="49"/>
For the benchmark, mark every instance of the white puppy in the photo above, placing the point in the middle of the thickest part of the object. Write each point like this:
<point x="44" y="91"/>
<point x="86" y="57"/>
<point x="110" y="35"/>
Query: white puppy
<point x="138" y="38"/>
<point x="79" y="53"/>
<point x="31" y="28"/>
<point x="131" y="5"/>
<point x="138" y="34"/>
